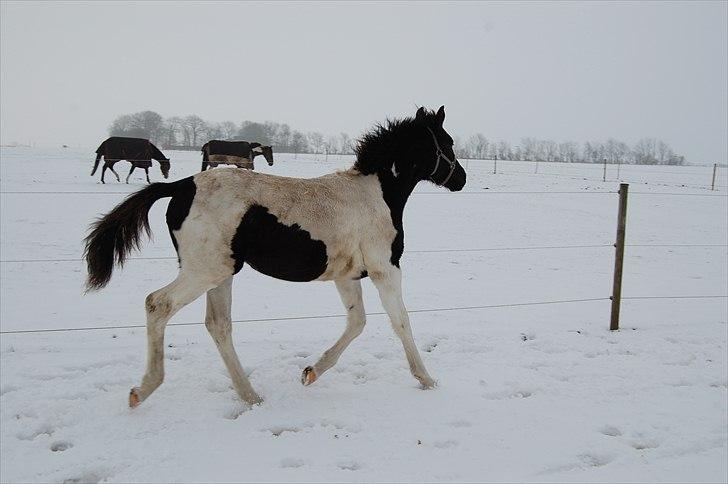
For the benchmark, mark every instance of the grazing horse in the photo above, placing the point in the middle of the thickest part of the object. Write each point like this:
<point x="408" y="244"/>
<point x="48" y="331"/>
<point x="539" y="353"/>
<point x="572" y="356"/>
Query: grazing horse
<point x="343" y="226"/>
<point x="138" y="151"/>
<point x="238" y="153"/>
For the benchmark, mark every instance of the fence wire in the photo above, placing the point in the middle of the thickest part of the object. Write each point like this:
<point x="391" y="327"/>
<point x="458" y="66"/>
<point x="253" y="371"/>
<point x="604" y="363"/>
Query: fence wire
<point x="416" y="251"/>
<point x="378" y="313"/>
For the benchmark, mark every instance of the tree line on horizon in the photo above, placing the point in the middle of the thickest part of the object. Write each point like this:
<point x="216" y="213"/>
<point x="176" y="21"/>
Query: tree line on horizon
<point x="191" y="132"/>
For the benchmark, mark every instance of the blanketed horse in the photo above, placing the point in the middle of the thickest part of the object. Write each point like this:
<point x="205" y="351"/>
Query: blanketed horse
<point x="138" y="151"/>
<point x="343" y="226"/>
<point x="238" y="153"/>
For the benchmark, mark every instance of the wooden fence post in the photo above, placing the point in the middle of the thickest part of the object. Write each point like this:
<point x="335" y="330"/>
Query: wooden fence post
<point x="604" y="177"/>
<point x="715" y="168"/>
<point x="619" y="256"/>
<point x="495" y="164"/>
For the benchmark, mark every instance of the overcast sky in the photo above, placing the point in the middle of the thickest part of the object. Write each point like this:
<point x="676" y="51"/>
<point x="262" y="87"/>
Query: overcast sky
<point x="561" y="71"/>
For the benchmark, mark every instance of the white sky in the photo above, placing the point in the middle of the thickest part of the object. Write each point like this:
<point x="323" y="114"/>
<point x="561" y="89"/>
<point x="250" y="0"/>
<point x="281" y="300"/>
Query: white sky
<point x="561" y="71"/>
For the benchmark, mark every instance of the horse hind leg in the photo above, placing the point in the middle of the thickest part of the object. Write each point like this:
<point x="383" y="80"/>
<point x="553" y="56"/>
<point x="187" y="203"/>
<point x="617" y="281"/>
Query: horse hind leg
<point x="219" y="324"/>
<point x="146" y="170"/>
<point x="350" y="293"/>
<point x="161" y="305"/>
<point x="111" y="167"/>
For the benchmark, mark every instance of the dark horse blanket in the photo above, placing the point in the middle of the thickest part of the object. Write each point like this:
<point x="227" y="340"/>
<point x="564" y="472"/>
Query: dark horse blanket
<point x="139" y="151"/>
<point x="229" y="148"/>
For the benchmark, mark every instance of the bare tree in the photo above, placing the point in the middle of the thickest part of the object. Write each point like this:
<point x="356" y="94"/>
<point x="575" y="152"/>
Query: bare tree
<point x="529" y="148"/>
<point x="254" y="132"/>
<point x="478" y="146"/>
<point x="282" y="137"/>
<point x="569" y="152"/>
<point x="171" y="128"/>
<point x="664" y="152"/>
<point x="193" y="127"/>
<point x="345" y="145"/>
<point x="331" y="145"/>
<point x="504" y="150"/>
<point x="213" y="131"/>
<point x="644" y="151"/>
<point x="317" y="141"/>
<point x="299" y="144"/>
<point x="228" y="129"/>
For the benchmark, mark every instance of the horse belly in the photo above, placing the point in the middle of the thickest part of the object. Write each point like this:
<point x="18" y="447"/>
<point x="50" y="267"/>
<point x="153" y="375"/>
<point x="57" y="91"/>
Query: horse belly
<point x="278" y="250"/>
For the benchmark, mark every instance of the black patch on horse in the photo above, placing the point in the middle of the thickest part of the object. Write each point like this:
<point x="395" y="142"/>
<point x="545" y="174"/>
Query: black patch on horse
<point x="275" y="249"/>
<point x="179" y="207"/>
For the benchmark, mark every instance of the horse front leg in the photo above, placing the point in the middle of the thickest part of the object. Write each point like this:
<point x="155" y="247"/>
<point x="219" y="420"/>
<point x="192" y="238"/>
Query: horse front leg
<point x="103" y="171"/>
<point x="389" y="286"/>
<point x="350" y="293"/>
<point x="146" y="170"/>
<point x="130" y="172"/>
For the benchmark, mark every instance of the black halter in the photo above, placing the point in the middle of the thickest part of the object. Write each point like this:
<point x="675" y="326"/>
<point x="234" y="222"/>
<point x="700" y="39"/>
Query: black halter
<point x="440" y="154"/>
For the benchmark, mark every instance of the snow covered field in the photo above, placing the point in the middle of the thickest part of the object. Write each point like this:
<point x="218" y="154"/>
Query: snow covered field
<point x="526" y="393"/>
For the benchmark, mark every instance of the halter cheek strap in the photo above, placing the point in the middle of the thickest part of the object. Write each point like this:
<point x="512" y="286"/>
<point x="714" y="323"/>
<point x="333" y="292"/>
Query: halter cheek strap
<point x="440" y="155"/>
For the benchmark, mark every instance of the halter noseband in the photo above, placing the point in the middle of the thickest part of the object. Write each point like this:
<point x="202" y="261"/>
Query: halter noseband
<point x="440" y="154"/>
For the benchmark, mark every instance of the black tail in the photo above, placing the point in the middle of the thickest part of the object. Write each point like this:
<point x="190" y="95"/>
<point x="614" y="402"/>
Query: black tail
<point x="114" y="235"/>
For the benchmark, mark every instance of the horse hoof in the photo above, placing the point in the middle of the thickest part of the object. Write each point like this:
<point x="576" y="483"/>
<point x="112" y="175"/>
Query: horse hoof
<point x="308" y="376"/>
<point x="134" y="399"/>
<point x="428" y="384"/>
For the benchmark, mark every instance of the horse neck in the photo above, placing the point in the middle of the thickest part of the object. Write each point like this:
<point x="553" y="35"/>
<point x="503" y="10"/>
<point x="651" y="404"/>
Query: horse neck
<point x="396" y="191"/>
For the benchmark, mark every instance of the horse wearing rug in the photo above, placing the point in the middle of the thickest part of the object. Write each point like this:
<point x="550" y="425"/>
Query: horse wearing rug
<point x="237" y="153"/>
<point x="138" y="151"/>
<point x="343" y="226"/>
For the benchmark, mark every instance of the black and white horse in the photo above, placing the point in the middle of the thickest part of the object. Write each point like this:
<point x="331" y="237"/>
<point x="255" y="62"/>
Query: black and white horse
<point x="343" y="226"/>
<point x="138" y="151"/>
<point x="238" y="153"/>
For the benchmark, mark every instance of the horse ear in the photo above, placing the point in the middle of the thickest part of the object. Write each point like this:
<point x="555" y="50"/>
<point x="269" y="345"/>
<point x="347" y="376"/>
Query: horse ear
<point x="420" y="114"/>
<point x="440" y="116"/>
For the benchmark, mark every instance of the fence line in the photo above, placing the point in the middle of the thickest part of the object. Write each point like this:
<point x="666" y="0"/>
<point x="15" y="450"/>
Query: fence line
<point x="295" y="318"/>
<point x="676" y="297"/>
<point x="378" y="313"/>
<point x="423" y="251"/>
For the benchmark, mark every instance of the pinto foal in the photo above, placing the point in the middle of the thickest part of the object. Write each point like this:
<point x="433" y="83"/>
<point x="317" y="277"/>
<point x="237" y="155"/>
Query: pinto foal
<point x="343" y="226"/>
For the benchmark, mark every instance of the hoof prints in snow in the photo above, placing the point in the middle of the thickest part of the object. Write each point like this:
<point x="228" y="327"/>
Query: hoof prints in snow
<point x="88" y="477"/>
<point x="278" y="431"/>
<point x="349" y="465"/>
<point x="61" y="445"/>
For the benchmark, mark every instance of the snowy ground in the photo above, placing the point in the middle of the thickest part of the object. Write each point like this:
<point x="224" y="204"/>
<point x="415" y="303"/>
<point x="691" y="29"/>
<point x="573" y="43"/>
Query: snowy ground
<point x="526" y="393"/>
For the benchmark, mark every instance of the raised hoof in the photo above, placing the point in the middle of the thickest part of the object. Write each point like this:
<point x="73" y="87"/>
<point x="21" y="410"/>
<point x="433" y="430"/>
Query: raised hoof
<point x="308" y="376"/>
<point x="134" y="399"/>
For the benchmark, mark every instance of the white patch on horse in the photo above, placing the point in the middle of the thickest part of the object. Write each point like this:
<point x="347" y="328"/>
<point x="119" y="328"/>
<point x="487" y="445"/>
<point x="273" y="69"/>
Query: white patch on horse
<point x="258" y="149"/>
<point x="394" y="170"/>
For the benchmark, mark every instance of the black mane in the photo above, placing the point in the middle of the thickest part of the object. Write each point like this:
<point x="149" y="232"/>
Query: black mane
<point x="377" y="149"/>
